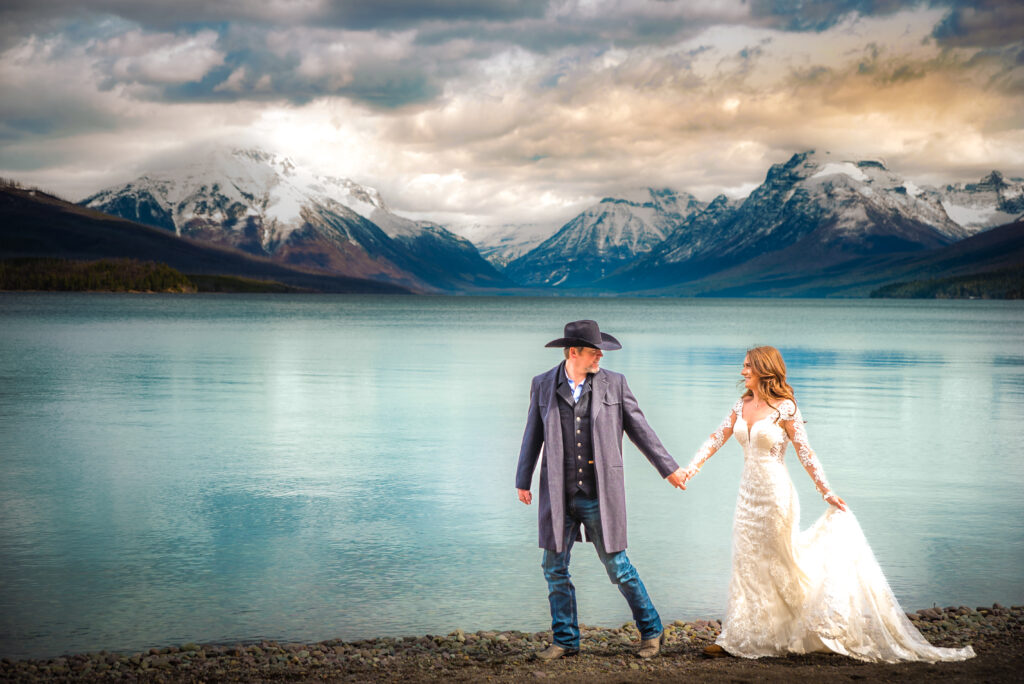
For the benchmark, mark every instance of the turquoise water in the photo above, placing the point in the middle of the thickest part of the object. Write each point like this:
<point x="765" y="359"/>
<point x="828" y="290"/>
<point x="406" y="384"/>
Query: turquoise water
<point x="230" y="468"/>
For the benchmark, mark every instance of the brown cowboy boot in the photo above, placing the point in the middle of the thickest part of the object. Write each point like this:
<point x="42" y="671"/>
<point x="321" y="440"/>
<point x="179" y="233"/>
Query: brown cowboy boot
<point x="715" y="651"/>
<point x="651" y="647"/>
<point x="554" y="652"/>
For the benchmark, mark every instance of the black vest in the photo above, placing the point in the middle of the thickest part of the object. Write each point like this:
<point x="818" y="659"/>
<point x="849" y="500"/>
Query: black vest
<point x="577" y="445"/>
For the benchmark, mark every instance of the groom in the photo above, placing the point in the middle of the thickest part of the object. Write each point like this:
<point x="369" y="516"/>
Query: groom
<point x="578" y="413"/>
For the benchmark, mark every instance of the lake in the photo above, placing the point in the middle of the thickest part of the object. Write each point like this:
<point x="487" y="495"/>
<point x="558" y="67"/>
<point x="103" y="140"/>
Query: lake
<point x="230" y="468"/>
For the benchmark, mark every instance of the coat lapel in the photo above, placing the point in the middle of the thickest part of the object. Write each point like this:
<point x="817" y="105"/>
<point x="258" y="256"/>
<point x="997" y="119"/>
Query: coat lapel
<point x="562" y="387"/>
<point x="553" y="426"/>
<point x="598" y="387"/>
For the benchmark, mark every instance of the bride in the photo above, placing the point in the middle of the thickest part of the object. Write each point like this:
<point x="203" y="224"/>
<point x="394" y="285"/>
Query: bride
<point x="793" y="591"/>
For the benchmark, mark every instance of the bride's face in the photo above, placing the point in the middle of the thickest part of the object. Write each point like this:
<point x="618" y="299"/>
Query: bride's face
<point x="749" y="377"/>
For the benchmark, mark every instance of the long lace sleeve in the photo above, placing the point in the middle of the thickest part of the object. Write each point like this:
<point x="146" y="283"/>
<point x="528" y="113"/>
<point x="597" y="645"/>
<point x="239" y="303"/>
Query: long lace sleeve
<point x="793" y="423"/>
<point x="715" y="441"/>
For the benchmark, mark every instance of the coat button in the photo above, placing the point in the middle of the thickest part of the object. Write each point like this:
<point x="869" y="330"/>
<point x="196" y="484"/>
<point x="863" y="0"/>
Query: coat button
<point x="577" y="419"/>
<point x="579" y="444"/>
<point x="580" y="483"/>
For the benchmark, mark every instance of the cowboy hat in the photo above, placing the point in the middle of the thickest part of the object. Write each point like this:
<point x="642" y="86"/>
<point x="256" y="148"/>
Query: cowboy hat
<point x="585" y="334"/>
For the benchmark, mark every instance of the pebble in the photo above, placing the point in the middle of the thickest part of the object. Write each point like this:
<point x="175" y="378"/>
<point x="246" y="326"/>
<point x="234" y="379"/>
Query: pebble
<point x="443" y="656"/>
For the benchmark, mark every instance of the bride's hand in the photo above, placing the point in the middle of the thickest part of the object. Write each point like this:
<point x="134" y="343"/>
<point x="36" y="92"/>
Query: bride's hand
<point x="686" y="474"/>
<point x="835" y="500"/>
<point x="678" y="479"/>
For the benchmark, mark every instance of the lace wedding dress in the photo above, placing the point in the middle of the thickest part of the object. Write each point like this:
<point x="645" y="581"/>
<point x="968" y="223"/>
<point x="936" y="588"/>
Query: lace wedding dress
<point x="798" y="592"/>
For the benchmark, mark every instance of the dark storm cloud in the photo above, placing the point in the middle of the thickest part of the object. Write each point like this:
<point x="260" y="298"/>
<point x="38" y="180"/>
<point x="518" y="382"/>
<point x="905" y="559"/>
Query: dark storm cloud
<point x="345" y="54"/>
<point x="345" y="51"/>
<point x="988" y="23"/>
<point x="349" y="14"/>
<point x="392" y="53"/>
<point x="477" y="108"/>
<point x="819" y="15"/>
<point x="18" y="123"/>
<point x="543" y="37"/>
<point x="297" y="66"/>
<point x="973" y="23"/>
<point x="383" y="84"/>
<point x="391" y="14"/>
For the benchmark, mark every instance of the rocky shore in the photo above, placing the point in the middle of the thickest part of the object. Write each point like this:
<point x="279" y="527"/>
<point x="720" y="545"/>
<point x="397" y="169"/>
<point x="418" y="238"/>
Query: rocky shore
<point x="607" y="655"/>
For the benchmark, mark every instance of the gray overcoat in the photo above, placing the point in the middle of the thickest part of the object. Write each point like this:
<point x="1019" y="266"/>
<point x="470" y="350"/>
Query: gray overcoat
<point x="613" y="410"/>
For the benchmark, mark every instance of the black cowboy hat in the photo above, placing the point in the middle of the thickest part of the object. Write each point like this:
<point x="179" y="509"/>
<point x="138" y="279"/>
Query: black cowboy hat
<point x="585" y="334"/>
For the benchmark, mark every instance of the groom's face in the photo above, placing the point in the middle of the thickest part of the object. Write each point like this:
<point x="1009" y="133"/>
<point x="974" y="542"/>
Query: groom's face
<point x="587" y="359"/>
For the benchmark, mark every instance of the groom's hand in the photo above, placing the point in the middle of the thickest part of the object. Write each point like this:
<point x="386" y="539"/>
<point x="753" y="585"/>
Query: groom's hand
<point x="525" y="496"/>
<point x="678" y="479"/>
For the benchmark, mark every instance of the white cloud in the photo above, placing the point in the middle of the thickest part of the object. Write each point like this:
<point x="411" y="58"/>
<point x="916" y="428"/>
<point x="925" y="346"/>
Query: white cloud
<point x="233" y="83"/>
<point x="516" y="134"/>
<point x="161" y="58"/>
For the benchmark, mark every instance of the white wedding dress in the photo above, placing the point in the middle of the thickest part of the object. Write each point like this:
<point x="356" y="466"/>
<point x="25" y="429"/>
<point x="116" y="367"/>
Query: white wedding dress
<point x="799" y="592"/>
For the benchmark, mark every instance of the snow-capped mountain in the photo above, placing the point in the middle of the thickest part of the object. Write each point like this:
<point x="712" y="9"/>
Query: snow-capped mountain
<point x="697" y="234"/>
<point x="815" y="211"/>
<point x="993" y="201"/>
<point x="502" y="244"/>
<point x="263" y="203"/>
<point x="603" y="238"/>
<point x="443" y="256"/>
<point x="812" y="211"/>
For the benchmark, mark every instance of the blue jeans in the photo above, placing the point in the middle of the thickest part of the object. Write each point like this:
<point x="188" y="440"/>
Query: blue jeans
<point x="565" y="628"/>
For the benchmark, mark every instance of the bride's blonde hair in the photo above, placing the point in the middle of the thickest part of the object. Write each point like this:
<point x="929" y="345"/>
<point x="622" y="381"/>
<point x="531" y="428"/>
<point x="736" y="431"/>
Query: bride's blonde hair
<point x="770" y="369"/>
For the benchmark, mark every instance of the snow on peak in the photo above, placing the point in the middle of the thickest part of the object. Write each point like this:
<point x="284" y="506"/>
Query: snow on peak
<point x="993" y="201"/>
<point x="360" y="199"/>
<point x="224" y="183"/>
<point x="912" y="189"/>
<point x="977" y="216"/>
<point x="845" y="168"/>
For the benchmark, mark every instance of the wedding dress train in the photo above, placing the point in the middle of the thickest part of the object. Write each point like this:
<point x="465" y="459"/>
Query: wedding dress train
<point x="799" y="592"/>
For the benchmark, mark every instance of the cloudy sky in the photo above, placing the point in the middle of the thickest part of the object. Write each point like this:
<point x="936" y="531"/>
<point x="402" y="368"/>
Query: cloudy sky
<point x="511" y="111"/>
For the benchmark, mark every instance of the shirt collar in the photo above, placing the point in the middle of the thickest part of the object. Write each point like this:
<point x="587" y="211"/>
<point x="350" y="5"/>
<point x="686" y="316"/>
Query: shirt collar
<point x="575" y="389"/>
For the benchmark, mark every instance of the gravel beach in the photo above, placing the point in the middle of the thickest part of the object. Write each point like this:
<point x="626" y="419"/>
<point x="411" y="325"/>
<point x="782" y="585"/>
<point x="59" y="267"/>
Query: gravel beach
<point x="607" y="655"/>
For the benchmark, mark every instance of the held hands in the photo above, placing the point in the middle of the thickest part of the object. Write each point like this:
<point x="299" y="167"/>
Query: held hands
<point x="679" y="478"/>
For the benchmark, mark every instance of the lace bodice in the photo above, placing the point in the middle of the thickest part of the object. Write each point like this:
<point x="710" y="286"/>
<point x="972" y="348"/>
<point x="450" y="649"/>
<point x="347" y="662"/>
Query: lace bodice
<point x="798" y="592"/>
<point x="765" y="439"/>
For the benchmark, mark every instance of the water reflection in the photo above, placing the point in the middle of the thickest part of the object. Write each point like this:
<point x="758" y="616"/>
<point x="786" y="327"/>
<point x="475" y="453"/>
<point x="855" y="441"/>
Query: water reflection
<point x="226" y="468"/>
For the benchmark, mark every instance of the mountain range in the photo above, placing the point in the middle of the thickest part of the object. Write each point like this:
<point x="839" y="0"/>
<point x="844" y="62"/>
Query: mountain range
<point x="34" y="224"/>
<point x="814" y="219"/>
<point x="607" y="236"/>
<point x="818" y="225"/>
<point x="264" y="204"/>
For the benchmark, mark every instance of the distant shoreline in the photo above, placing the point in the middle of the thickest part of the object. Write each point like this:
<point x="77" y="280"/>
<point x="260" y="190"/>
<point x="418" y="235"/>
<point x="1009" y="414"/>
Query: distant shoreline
<point x="134" y="276"/>
<point x="127" y="276"/>
<point x="607" y="655"/>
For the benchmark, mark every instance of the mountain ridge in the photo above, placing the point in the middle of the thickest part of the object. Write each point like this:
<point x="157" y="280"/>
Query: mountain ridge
<point x="264" y="204"/>
<point x="603" y="238"/>
<point x="816" y="216"/>
<point x="37" y="224"/>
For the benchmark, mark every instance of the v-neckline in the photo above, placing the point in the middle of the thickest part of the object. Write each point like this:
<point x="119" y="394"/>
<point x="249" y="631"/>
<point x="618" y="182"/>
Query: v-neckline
<point x="750" y="426"/>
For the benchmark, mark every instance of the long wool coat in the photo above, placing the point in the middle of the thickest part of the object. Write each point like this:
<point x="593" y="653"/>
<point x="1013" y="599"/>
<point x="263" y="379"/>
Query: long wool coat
<point x="613" y="410"/>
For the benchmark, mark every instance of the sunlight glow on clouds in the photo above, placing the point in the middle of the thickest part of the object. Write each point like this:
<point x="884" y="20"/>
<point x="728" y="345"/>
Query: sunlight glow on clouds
<point x="496" y="111"/>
